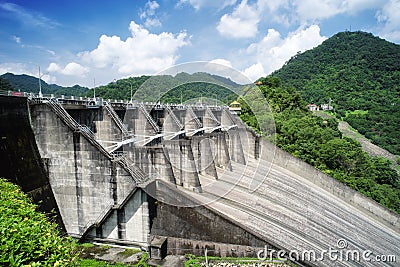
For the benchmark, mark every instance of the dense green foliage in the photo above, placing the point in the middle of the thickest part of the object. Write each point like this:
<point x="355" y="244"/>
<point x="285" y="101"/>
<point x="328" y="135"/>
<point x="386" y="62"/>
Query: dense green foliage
<point x="182" y="87"/>
<point x="358" y="72"/>
<point x="318" y="142"/>
<point x="27" y="237"/>
<point x="26" y="83"/>
<point x="5" y="85"/>
<point x="120" y="89"/>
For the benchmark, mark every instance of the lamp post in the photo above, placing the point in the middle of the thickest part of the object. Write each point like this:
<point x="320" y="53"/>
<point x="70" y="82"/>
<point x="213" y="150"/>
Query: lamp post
<point x="40" y="84"/>
<point x="131" y="93"/>
<point x="94" y="89"/>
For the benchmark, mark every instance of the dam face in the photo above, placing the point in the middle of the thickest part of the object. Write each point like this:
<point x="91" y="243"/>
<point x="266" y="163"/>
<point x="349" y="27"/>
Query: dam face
<point x="183" y="179"/>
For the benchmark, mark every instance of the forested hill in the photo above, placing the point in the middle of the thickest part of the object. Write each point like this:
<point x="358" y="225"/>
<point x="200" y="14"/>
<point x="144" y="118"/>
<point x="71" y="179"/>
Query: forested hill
<point x="360" y="73"/>
<point x="26" y="83"/>
<point x="172" y="89"/>
<point x="165" y="88"/>
<point x="319" y="142"/>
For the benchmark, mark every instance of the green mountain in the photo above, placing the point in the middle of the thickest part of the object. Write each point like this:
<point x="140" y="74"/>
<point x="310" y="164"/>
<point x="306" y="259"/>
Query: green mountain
<point x="26" y="83"/>
<point x="360" y="73"/>
<point x="182" y="87"/>
<point x="319" y="142"/>
<point x="165" y="88"/>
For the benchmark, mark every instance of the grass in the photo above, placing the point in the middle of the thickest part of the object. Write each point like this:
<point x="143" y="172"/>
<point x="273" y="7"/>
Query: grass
<point x="97" y="263"/>
<point x="195" y="261"/>
<point x="143" y="260"/>
<point x="129" y="252"/>
<point x="87" y="245"/>
<point x="357" y="112"/>
<point x="89" y="249"/>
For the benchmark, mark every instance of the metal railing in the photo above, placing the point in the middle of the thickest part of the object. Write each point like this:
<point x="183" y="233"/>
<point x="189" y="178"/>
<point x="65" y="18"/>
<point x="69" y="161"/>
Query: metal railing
<point x="71" y="123"/>
<point x="149" y="118"/>
<point x="212" y="116"/>
<point x="173" y="116"/>
<point x="94" y="222"/>
<point x="137" y="174"/>
<point x="197" y="121"/>
<point x="116" y="119"/>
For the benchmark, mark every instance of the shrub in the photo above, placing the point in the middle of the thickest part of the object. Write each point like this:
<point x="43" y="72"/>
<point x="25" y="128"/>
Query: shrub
<point x="27" y="237"/>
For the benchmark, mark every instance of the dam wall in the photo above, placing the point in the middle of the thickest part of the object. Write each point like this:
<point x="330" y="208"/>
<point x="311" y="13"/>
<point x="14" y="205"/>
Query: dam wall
<point x="195" y="176"/>
<point x="21" y="162"/>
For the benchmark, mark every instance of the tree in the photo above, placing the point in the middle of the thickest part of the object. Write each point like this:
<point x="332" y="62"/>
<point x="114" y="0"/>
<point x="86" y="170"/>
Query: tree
<point x="5" y="85"/>
<point x="319" y="142"/>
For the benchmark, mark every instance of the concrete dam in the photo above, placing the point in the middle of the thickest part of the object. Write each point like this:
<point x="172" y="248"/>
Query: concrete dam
<point x="180" y="179"/>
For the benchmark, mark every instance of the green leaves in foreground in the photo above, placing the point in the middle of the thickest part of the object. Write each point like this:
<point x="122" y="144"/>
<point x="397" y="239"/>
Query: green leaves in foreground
<point x="26" y="236"/>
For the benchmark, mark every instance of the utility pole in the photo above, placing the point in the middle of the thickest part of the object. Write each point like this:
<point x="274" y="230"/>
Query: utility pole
<point x="40" y="85"/>
<point x="131" y="93"/>
<point x="94" y="89"/>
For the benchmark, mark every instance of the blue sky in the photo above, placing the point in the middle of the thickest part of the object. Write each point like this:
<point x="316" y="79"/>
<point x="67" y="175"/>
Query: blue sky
<point x="77" y="42"/>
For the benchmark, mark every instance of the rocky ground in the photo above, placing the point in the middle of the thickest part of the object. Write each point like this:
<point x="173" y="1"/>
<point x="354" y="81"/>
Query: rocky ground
<point x="130" y="257"/>
<point x="254" y="264"/>
<point x="111" y="254"/>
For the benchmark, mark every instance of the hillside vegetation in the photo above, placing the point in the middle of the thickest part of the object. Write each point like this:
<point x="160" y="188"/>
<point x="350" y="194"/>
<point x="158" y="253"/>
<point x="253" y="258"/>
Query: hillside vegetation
<point x="182" y="87"/>
<point x="26" y="83"/>
<point x="360" y="73"/>
<point x="27" y="237"/>
<point x="318" y="142"/>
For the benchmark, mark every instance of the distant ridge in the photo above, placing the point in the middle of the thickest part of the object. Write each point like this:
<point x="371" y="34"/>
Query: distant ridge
<point x="172" y="89"/>
<point x="26" y="83"/>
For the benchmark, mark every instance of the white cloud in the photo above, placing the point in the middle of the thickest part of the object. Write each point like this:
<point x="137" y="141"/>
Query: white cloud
<point x="151" y="8"/>
<point x="309" y="11"/>
<point x="242" y="23"/>
<point x="17" y="39"/>
<point x="28" y="69"/>
<point x="390" y="17"/>
<point x="16" y="68"/>
<point x="151" y="23"/>
<point x="273" y="51"/>
<point x="28" y="17"/>
<point x="142" y="53"/>
<point x="71" y="69"/>
<point x="198" y="4"/>
<point x="149" y="15"/>
<point x="221" y="61"/>
<point x="255" y="71"/>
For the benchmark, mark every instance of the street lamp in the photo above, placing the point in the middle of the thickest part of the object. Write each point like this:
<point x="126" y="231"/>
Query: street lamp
<point x="40" y="83"/>
<point x="94" y="89"/>
<point x="131" y="93"/>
